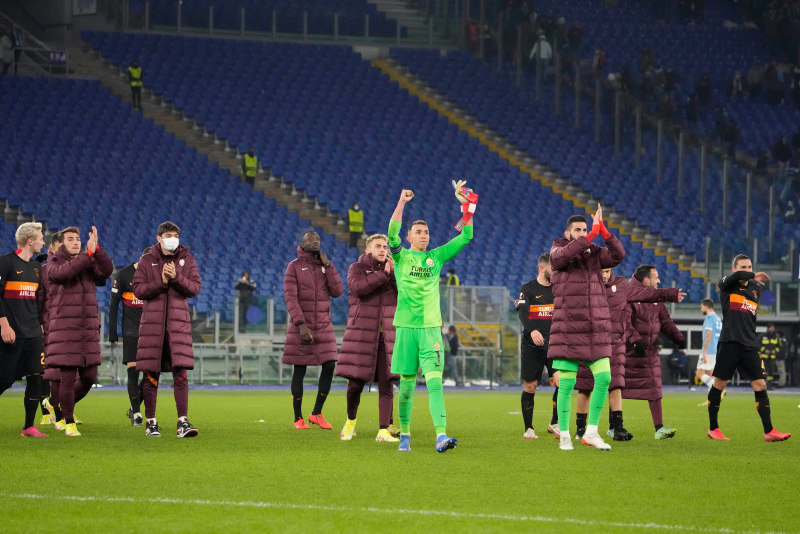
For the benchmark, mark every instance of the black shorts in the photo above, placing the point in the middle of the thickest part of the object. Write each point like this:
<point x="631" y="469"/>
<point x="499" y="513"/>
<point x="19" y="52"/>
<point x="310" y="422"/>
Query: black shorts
<point x="732" y="356"/>
<point x="129" y="345"/>
<point x="533" y="360"/>
<point x="25" y="357"/>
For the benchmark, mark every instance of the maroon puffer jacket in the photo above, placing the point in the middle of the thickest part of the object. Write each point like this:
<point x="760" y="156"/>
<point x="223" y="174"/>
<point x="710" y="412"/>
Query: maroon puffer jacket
<point x="581" y="328"/>
<point x="166" y="309"/>
<point x="619" y="293"/>
<point x="73" y="336"/>
<point x="643" y="373"/>
<point x="44" y="296"/>
<point x="308" y="288"/>
<point x="373" y="301"/>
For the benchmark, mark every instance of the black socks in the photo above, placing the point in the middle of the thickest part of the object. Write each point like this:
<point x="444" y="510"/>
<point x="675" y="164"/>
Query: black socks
<point x="298" y="375"/>
<point x="325" y="379"/>
<point x="527" y="409"/>
<point x="580" y="421"/>
<point x="33" y="396"/>
<point x="762" y="406"/>
<point x="45" y="392"/>
<point x="615" y="420"/>
<point x="133" y="389"/>
<point x="554" y="419"/>
<point x="714" y="399"/>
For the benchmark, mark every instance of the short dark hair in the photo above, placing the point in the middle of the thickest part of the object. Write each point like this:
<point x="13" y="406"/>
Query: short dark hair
<point x="574" y="219"/>
<point x="642" y="272"/>
<point x="146" y="251"/>
<point x="708" y="303"/>
<point x="413" y="224"/>
<point x="311" y="231"/>
<point x="168" y="226"/>
<point x="544" y="258"/>
<point x="56" y="238"/>
<point x="738" y="258"/>
<point x="69" y="230"/>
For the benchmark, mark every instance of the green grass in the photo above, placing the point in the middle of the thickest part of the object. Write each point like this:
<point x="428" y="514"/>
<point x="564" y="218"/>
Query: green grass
<point x="689" y="481"/>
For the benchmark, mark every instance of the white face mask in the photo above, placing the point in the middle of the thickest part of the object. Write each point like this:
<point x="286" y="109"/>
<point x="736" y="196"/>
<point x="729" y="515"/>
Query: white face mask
<point x="170" y="243"/>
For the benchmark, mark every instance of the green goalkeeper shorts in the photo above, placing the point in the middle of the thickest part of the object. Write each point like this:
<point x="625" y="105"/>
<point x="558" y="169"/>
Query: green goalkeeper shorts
<point x="418" y="347"/>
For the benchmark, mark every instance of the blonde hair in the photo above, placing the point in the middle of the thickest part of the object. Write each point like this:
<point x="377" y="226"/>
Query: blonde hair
<point x="28" y="230"/>
<point x="373" y="237"/>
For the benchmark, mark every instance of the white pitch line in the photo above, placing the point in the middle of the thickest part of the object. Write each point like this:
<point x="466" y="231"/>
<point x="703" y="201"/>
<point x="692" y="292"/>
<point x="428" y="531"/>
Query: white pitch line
<point x="386" y="511"/>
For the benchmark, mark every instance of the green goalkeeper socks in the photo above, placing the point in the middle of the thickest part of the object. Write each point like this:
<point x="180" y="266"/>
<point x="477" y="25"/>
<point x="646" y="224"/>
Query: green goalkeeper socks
<point x="406" y="402"/>
<point x="436" y="401"/>
<point x="566" y="384"/>
<point x="601" y="369"/>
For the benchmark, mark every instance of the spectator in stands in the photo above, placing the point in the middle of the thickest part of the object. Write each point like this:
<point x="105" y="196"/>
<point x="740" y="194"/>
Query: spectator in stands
<point x="672" y="80"/>
<point x="782" y="152"/>
<point x="560" y="32"/>
<point x="755" y="79"/>
<point x="452" y="278"/>
<point x="646" y="59"/>
<point x="6" y="52"/>
<point x="598" y="62"/>
<point x="250" y="165"/>
<point x="705" y="89"/>
<point x="721" y="121"/>
<point x="692" y="110"/>
<point x="737" y="84"/>
<point x="775" y="88"/>
<point x="544" y="51"/>
<point x="731" y="137"/>
<point x="135" y="79"/>
<point x="648" y="86"/>
<point x="452" y="341"/>
<point x="575" y="37"/>
<point x="664" y="109"/>
<point x="246" y="287"/>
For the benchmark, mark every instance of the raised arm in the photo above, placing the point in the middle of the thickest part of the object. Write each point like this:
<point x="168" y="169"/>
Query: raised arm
<point x="61" y="272"/>
<point x="730" y="282"/>
<point x="648" y="294"/>
<point x="448" y="251"/>
<point x="561" y="257"/>
<point x="362" y="285"/>
<point x="396" y="223"/>
<point x="102" y="266"/>
<point x="613" y="253"/>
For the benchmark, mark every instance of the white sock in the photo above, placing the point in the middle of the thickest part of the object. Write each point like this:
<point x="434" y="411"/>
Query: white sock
<point x="591" y="430"/>
<point x="183" y="419"/>
<point x="153" y="420"/>
<point x="707" y="380"/>
<point x="137" y="414"/>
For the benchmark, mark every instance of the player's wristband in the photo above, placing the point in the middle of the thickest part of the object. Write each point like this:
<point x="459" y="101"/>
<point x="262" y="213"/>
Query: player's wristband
<point x="467" y="208"/>
<point x="604" y="231"/>
<point x="593" y="234"/>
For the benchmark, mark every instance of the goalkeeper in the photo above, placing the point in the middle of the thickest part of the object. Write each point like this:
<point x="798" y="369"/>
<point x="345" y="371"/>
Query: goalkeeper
<point x="418" y="318"/>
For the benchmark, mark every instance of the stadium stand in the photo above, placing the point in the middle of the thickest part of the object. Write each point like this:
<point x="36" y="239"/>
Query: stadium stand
<point x="368" y="137"/>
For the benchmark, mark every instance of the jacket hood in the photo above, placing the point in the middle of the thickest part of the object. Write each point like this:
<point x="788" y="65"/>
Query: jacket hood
<point x="614" y="280"/>
<point x="635" y="282"/>
<point x="561" y="242"/>
<point x="307" y="256"/>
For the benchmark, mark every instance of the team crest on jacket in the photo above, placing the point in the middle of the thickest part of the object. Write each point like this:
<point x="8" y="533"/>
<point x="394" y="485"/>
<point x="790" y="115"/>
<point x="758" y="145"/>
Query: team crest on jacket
<point x="429" y="262"/>
<point x="437" y="347"/>
<point x="182" y="263"/>
<point x="613" y="289"/>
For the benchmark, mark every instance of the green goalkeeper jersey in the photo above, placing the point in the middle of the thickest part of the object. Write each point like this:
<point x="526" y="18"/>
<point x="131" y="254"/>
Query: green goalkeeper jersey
<point x="417" y="275"/>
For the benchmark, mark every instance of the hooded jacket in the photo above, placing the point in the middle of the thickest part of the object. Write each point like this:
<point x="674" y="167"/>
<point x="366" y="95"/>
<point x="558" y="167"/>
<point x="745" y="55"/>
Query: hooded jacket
<point x="373" y="301"/>
<point x="308" y="287"/>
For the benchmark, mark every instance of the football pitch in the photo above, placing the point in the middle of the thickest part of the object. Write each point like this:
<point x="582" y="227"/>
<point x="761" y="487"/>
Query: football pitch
<point x="249" y="470"/>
